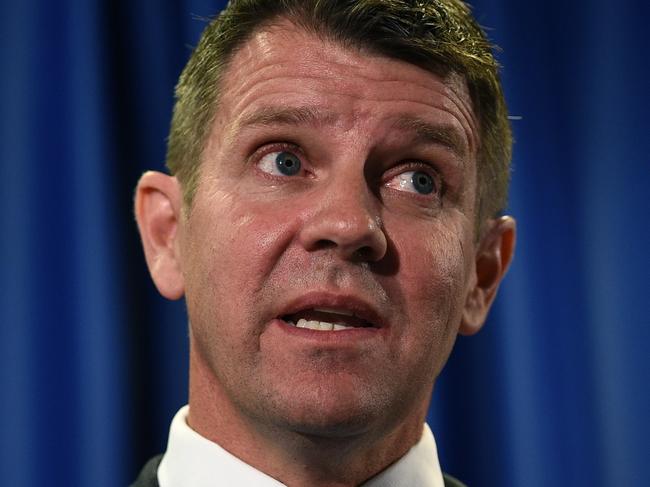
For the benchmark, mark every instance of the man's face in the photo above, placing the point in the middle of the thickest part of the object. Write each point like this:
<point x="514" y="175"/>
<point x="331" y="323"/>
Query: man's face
<point x="337" y="187"/>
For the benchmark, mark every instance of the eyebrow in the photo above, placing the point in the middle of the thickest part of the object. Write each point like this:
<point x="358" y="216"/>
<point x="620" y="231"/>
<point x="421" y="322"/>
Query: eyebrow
<point x="427" y="133"/>
<point x="269" y="116"/>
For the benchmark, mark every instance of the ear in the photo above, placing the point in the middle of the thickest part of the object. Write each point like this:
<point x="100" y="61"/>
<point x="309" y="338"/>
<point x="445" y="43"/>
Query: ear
<point x="158" y="202"/>
<point x="493" y="258"/>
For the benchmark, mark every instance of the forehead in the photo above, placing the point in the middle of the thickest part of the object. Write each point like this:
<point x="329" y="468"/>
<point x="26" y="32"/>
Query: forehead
<point x="282" y="65"/>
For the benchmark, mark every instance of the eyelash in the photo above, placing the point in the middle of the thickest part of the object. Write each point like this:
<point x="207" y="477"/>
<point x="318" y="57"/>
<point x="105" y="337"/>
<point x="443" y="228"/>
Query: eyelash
<point x="415" y="165"/>
<point x="412" y="165"/>
<point x="257" y="156"/>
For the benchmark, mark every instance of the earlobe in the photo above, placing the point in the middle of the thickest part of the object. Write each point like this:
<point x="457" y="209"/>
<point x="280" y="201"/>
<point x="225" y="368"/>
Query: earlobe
<point x="493" y="259"/>
<point x="158" y="202"/>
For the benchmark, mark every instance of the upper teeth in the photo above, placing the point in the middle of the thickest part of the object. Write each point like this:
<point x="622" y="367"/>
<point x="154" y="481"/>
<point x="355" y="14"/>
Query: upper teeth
<point x="320" y="325"/>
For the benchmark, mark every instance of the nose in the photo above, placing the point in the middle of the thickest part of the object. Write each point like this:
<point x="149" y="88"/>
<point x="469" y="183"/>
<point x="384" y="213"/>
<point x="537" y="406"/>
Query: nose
<point x="347" y="223"/>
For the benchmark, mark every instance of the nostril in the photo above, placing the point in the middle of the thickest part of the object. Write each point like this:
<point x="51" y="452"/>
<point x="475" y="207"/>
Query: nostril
<point x="351" y="235"/>
<point x="364" y="253"/>
<point x="324" y="244"/>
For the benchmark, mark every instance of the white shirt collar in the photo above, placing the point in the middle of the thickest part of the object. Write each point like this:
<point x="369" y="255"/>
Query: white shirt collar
<point x="194" y="461"/>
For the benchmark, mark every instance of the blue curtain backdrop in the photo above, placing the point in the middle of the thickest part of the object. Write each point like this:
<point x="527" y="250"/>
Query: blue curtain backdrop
<point x="93" y="362"/>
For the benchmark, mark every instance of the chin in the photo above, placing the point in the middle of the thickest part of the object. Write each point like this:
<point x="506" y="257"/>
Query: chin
<point x="331" y="412"/>
<point x="333" y="425"/>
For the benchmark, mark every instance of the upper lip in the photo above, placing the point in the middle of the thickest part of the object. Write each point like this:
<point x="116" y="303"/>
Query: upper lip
<point x="358" y="306"/>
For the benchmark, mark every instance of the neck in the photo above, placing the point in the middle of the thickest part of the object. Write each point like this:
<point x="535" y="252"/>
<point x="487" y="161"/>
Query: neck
<point x="296" y="458"/>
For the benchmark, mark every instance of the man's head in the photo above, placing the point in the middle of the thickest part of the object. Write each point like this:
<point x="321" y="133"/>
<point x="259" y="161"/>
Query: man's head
<point x="328" y="251"/>
<point x="439" y="36"/>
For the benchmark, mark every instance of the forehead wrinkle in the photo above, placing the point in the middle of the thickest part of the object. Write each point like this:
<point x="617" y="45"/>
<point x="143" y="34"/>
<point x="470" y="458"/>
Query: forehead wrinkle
<point x="248" y="73"/>
<point x="435" y="134"/>
<point x="261" y="68"/>
<point x="462" y="101"/>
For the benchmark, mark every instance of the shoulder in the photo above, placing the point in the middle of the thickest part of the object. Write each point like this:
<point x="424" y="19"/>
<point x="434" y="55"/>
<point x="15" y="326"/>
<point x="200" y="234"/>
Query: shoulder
<point x="452" y="482"/>
<point x="148" y="475"/>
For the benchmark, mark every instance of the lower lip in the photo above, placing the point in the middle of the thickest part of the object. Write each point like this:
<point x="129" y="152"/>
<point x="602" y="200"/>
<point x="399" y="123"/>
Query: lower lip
<point x="333" y="337"/>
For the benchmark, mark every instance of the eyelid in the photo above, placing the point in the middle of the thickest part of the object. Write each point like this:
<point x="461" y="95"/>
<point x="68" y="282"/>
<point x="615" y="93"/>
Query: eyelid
<point x="416" y="166"/>
<point x="413" y="165"/>
<point x="276" y="147"/>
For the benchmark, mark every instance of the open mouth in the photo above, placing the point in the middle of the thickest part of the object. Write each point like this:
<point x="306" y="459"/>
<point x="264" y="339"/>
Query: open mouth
<point x="327" y="319"/>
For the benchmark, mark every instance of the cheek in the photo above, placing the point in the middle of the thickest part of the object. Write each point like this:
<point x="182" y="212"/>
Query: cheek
<point x="434" y="274"/>
<point x="434" y="266"/>
<point x="227" y="231"/>
<point x="230" y="247"/>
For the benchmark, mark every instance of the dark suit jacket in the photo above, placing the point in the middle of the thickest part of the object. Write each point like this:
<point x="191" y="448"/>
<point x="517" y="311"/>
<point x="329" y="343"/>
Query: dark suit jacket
<point x="148" y="478"/>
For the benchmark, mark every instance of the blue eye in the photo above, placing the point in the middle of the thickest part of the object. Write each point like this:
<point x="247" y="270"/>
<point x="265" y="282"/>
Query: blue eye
<point x="287" y="163"/>
<point x="280" y="163"/>
<point x="422" y="182"/>
<point x="414" y="182"/>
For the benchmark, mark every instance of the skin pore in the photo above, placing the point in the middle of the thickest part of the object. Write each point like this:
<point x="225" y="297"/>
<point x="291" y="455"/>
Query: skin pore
<point x="333" y="182"/>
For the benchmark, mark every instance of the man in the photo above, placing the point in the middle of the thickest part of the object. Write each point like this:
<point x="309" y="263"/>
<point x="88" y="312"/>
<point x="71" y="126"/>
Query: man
<point x="338" y="168"/>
